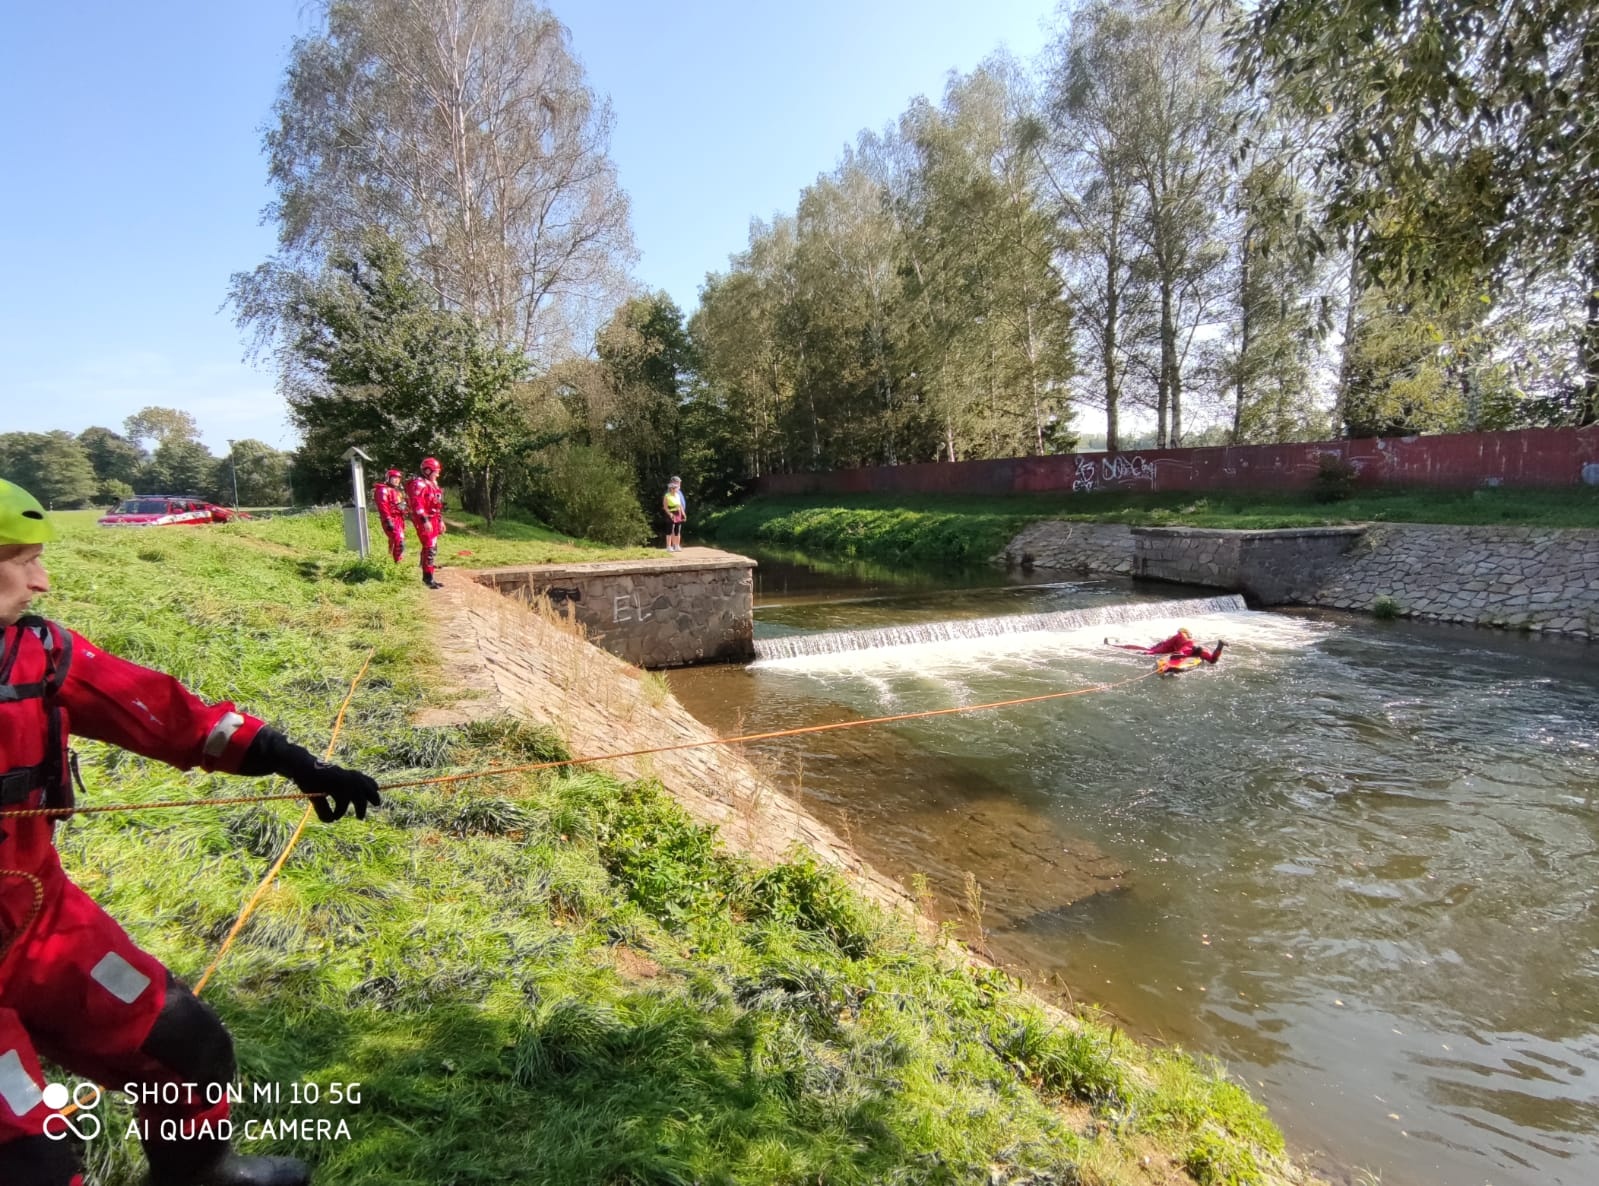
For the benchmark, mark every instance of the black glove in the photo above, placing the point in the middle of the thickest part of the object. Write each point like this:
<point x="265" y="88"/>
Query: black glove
<point x="272" y="753"/>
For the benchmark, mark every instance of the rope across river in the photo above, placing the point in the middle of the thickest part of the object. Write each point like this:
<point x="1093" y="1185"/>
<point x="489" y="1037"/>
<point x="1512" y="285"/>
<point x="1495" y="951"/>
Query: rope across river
<point x="530" y="767"/>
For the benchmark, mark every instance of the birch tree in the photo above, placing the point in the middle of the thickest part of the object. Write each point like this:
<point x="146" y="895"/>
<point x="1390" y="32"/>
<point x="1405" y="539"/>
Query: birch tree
<point x="466" y="131"/>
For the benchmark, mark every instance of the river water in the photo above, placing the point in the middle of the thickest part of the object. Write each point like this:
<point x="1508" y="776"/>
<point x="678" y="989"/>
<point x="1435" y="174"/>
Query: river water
<point x="1356" y="861"/>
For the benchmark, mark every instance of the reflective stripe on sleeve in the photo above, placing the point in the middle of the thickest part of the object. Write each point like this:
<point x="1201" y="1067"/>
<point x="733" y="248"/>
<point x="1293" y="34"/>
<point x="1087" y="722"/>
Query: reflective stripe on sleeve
<point x="119" y="978"/>
<point x="216" y="743"/>
<point x="17" y="1087"/>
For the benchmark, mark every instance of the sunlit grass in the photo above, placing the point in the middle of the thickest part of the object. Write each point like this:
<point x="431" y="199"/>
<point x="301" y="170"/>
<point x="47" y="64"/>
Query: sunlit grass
<point x="556" y="979"/>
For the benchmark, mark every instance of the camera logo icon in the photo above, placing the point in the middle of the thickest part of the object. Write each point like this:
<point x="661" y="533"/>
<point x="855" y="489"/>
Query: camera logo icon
<point x="81" y="1122"/>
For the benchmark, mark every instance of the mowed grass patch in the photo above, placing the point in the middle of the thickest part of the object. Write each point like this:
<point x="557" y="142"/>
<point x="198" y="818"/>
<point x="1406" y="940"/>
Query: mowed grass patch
<point x="471" y="543"/>
<point x="963" y="529"/>
<point x="562" y="978"/>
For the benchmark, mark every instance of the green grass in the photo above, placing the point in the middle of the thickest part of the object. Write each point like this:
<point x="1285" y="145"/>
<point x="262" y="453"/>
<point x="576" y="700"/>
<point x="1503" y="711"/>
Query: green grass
<point x="964" y="529"/>
<point x="555" y="979"/>
<point x="471" y="544"/>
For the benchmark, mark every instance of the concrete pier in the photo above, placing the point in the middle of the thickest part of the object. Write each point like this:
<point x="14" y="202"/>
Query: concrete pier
<point x="678" y="609"/>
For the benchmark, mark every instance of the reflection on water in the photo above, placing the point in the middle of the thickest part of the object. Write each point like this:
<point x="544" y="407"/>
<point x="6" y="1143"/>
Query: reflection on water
<point x="1356" y="860"/>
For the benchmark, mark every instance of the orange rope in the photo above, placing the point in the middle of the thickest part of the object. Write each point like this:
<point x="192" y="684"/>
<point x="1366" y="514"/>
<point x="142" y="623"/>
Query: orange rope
<point x="299" y="829"/>
<point x="747" y="737"/>
<point x="494" y="772"/>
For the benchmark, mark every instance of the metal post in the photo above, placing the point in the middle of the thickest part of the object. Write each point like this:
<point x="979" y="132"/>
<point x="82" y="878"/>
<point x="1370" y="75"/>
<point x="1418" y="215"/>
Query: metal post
<point x="234" y="466"/>
<point x="355" y="525"/>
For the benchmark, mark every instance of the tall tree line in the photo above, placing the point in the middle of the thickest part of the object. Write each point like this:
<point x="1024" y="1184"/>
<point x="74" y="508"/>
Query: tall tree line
<point x="159" y="451"/>
<point x="1161" y="218"/>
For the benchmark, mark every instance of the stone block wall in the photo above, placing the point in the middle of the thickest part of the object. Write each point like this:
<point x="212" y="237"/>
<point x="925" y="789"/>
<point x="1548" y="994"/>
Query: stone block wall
<point x="1075" y="547"/>
<point x="1279" y="567"/>
<point x="1517" y="577"/>
<point x="1540" y="579"/>
<point x="695" y="607"/>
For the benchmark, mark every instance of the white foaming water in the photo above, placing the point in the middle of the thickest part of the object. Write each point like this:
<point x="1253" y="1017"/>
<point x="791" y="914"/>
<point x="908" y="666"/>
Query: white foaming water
<point x="1035" y="639"/>
<point x="1064" y="621"/>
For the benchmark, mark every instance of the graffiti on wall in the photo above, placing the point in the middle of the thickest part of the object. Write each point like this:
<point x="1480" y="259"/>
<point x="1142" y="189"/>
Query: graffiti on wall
<point x="1116" y="469"/>
<point x="628" y="607"/>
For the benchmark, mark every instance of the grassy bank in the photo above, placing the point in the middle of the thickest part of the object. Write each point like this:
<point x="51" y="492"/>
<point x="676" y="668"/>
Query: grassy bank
<point x="560" y="978"/>
<point x="973" y="529"/>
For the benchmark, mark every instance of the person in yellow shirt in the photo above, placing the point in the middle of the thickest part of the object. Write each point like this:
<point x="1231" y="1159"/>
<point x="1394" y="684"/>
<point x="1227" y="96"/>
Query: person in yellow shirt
<point x="676" y="508"/>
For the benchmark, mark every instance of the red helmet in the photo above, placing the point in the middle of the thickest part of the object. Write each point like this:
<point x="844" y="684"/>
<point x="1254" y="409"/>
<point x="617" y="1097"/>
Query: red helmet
<point x="430" y="463"/>
<point x="393" y="473"/>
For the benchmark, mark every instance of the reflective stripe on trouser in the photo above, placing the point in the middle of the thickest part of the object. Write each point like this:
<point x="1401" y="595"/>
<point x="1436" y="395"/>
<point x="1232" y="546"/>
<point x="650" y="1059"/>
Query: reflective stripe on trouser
<point x="75" y="989"/>
<point x="430" y="552"/>
<point x="396" y="541"/>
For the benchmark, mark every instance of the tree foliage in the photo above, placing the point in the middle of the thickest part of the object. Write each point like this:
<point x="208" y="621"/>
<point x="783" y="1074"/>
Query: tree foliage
<point x="466" y="131"/>
<point x="372" y="361"/>
<point x="1456" y="141"/>
<point x="115" y="458"/>
<point x="52" y="466"/>
<point x="159" y="426"/>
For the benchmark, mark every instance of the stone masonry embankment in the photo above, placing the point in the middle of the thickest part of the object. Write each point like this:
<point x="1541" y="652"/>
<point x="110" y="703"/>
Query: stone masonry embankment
<point x="1538" y="579"/>
<point x="1516" y="577"/>
<point x="502" y="657"/>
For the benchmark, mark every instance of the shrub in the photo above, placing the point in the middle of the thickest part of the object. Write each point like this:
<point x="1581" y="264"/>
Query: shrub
<point x="1335" y="478"/>
<point x="1385" y="607"/>
<point x="587" y="493"/>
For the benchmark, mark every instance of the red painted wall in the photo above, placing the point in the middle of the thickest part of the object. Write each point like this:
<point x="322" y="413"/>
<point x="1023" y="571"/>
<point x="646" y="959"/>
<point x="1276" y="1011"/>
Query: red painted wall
<point x="1527" y="457"/>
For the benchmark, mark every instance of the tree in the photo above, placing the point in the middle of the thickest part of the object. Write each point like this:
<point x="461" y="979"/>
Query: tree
<point x="180" y="466"/>
<point x="466" y="131"/>
<point x="261" y="473"/>
<point x="1090" y="176"/>
<point x="371" y="360"/>
<point x="1456" y="139"/>
<point x="52" y="466"/>
<point x="634" y="411"/>
<point x="747" y="350"/>
<point x="114" y="457"/>
<point x="1277" y="315"/>
<point x="994" y="343"/>
<point x="161" y="425"/>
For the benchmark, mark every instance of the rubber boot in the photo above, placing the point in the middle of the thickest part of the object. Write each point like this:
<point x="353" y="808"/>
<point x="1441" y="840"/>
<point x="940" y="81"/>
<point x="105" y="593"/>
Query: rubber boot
<point x="234" y="1169"/>
<point x="1216" y="654"/>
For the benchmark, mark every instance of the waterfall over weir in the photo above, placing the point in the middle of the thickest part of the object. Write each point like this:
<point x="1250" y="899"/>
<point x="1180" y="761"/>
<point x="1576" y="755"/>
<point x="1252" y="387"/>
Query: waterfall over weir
<point x="840" y="641"/>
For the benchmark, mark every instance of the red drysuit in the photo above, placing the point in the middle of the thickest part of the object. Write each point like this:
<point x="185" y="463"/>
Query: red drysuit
<point x="73" y="986"/>
<point x="427" y="513"/>
<point x="1179" y="646"/>
<point x="389" y="502"/>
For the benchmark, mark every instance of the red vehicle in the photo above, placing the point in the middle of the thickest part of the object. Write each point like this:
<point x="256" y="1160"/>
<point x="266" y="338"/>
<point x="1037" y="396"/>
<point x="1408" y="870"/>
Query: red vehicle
<point x="166" y="510"/>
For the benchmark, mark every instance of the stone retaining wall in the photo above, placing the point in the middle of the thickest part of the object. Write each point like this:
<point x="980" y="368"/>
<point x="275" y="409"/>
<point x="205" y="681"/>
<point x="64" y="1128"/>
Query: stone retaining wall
<point x="693" y="606"/>
<point x="1516" y="577"/>
<point x="1080" y="547"/>
<point x="1540" y="579"/>
<point x="1284" y="567"/>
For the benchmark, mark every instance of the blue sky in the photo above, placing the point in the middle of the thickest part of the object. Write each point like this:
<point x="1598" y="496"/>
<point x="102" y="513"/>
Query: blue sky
<point x="135" y="180"/>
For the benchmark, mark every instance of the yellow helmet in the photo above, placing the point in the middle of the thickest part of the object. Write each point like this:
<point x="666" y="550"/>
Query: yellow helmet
<point x="22" y="519"/>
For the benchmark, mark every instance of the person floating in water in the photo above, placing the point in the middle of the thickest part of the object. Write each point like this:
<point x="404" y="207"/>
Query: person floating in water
<point x="1174" y="651"/>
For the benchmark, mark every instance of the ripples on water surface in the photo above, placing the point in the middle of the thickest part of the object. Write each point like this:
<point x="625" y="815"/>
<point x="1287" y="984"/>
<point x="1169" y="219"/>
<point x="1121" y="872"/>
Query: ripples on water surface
<point x="1356" y="861"/>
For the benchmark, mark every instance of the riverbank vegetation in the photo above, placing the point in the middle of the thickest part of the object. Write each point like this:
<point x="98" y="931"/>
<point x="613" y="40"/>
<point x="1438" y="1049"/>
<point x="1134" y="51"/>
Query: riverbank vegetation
<point x="970" y="529"/>
<point x="559" y="977"/>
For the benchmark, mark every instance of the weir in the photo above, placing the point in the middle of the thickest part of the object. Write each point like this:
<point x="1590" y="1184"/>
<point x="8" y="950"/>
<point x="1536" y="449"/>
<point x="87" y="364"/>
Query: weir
<point x="841" y="641"/>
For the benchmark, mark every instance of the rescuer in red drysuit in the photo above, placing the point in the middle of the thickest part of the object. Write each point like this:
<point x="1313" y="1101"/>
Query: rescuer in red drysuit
<point x="73" y="986"/>
<point x="1179" y="646"/>
<point x="427" y="512"/>
<point x="389" y="500"/>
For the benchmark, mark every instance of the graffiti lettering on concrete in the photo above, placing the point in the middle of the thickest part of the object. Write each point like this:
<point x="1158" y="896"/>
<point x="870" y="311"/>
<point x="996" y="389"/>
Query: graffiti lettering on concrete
<point x="626" y="607"/>
<point x="1115" y="470"/>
